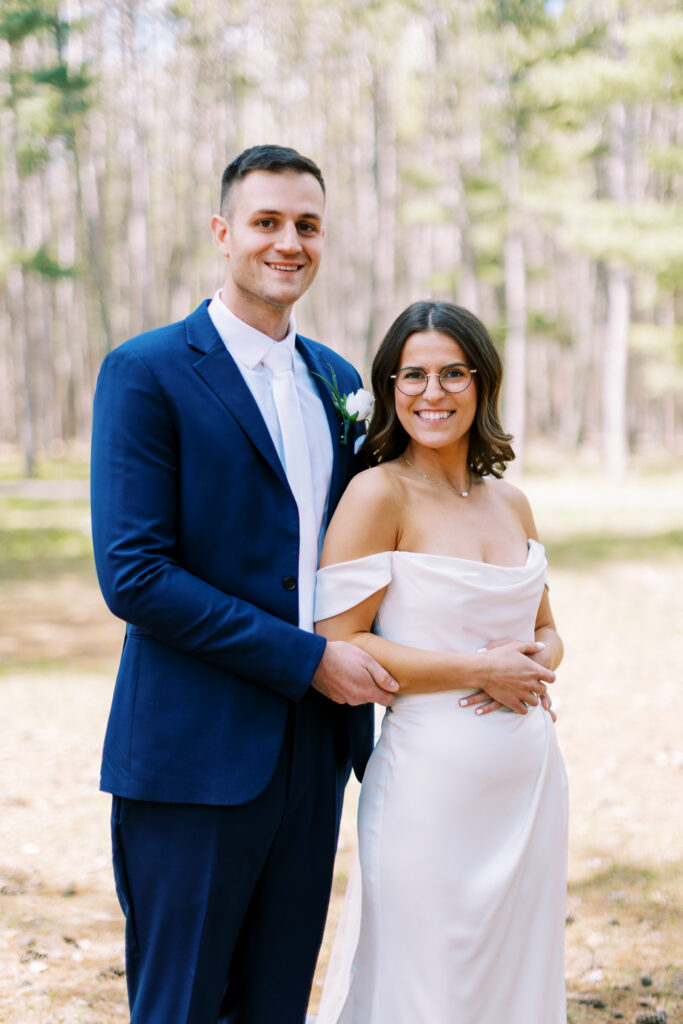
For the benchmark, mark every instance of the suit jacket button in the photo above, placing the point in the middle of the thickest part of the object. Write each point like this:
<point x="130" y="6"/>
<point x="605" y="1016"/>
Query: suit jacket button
<point x="289" y="582"/>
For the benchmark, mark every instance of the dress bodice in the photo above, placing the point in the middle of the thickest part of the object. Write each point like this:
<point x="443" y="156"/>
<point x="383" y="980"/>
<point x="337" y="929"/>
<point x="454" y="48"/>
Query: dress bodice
<point x="438" y="602"/>
<point x="462" y="817"/>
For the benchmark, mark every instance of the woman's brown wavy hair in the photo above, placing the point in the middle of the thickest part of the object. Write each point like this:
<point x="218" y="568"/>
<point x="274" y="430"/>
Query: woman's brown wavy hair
<point x="489" y="448"/>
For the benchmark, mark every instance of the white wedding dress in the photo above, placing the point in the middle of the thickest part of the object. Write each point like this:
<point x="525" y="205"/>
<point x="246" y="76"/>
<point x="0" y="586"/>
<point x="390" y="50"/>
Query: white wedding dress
<point x="462" y="819"/>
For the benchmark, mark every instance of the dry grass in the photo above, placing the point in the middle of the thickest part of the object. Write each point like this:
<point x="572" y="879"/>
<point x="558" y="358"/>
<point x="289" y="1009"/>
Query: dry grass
<point x="618" y="604"/>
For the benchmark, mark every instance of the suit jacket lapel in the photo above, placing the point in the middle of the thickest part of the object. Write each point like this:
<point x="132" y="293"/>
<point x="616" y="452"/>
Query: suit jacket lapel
<point x="219" y="371"/>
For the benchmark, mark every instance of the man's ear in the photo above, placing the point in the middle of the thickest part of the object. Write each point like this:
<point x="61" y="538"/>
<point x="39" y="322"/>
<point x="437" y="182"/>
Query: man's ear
<point x="220" y="229"/>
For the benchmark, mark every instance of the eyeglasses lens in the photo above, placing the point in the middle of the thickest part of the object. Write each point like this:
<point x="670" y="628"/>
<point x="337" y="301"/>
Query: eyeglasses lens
<point x="414" y="382"/>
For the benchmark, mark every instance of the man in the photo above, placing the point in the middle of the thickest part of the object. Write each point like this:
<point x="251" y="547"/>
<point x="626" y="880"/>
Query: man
<point x="217" y="458"/>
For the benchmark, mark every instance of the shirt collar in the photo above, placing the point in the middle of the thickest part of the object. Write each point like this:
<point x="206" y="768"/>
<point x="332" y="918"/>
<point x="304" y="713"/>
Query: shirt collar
<point x="243" y="342"/>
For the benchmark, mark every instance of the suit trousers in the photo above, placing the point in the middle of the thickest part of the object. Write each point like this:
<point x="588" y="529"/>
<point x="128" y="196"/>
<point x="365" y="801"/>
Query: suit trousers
<point x="225" y="905"/>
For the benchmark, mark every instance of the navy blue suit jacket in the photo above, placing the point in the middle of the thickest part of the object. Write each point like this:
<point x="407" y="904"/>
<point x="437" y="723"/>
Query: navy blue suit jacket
<point x="196" y="538"/>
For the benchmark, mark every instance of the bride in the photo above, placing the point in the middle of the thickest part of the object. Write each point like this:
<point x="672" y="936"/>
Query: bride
<point x="432" y="564"/>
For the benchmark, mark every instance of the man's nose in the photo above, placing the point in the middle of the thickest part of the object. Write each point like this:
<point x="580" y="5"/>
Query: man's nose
<point x="288" y="239"/>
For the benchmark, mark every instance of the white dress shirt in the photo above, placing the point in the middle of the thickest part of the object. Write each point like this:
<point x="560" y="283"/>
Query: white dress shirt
<point x="247" y="346"/>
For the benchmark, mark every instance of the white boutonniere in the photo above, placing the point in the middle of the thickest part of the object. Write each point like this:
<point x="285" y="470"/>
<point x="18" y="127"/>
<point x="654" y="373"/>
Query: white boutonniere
<point x="357" y="405"/>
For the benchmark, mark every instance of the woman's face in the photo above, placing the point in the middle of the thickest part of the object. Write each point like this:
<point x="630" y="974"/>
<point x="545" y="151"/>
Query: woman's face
<point x="436" y="418"/>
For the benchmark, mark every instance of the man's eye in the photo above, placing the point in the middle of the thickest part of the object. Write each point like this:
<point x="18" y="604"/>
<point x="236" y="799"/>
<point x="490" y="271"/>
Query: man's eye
<point x="265" y="222"/>
<point x="307" y="229"/>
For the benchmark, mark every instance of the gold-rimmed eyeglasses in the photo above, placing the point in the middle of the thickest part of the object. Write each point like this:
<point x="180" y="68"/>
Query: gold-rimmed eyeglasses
<point x="412" y="381"/>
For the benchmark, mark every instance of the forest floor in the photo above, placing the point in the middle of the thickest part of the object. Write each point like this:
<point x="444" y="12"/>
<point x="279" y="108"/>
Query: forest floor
<point x="616" y="557"/>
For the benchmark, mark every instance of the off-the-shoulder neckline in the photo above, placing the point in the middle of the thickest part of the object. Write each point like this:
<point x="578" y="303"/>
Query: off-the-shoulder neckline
<point x="531" y="543"/>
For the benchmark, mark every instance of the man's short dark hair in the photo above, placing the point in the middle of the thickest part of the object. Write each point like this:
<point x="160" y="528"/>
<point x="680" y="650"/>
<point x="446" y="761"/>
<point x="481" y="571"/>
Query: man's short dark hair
<point x="266" y="158"/>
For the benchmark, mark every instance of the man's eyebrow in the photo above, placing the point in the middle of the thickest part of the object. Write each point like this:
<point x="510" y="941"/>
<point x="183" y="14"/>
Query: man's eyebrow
<point x="278" y="213"/>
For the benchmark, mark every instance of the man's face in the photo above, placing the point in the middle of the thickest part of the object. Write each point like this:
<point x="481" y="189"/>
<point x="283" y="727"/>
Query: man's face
<point x="272" y="237"/>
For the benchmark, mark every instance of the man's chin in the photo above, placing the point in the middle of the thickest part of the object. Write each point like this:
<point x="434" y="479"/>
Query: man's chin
<point x="284" y="297"/>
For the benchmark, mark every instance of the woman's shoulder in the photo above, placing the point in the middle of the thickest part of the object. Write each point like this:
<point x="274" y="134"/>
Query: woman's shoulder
<point x="380" y="485"/>
<point x="368" y="517"/>
<point x="515" y="500"/>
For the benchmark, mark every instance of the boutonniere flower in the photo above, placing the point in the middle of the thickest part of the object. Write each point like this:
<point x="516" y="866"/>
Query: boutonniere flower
<point x="357" y="405"/>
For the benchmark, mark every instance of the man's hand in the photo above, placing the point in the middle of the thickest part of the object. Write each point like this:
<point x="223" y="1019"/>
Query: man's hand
<point x="348" y="675"/>
<point x="516" y="679"/>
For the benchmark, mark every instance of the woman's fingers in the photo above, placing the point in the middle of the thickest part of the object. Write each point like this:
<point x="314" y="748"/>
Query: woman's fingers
<point x="474" y="698"/>
<point x="547" y="706"/>
<point x="491" y="705"/>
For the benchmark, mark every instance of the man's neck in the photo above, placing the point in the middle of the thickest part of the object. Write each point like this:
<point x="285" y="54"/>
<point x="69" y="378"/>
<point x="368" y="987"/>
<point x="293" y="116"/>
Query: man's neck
<point x="273" y="322"/>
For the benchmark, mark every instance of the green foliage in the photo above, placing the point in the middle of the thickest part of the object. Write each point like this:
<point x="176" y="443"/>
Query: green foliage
<point x="31" y="159"/>
<point x="20" y="20"/>
<point x="541" y="324"/>
<point x="522" y="13"/>
<point x="426" y="209"/>
<point x="443" y="282"/>
<point x="59" y="78"/>
<point x="48" y="101"/>
<point x="421" y="176"/>
<point x="659" y="353"/>
<point x="645" y="234"/>
<point x="43" y="263"/>
<point x="666" y="158"/>
<point x="657" y="340"/>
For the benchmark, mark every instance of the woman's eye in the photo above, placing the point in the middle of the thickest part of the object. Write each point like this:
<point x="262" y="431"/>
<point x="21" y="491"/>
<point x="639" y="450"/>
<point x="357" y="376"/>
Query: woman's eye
<point x="412" y="374"/>
<point x="453" y="372"/>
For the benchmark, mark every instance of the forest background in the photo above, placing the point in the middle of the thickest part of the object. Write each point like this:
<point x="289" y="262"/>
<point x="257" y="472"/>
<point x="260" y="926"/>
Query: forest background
<point x="520" y="157"/>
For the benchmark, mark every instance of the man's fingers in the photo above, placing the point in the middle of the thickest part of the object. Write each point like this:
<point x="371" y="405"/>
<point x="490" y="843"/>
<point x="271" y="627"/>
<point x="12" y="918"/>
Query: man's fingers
<point x="380" y="676"/>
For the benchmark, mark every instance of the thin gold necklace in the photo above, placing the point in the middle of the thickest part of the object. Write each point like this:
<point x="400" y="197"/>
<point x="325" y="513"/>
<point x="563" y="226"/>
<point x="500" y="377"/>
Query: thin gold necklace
<point x="441" y="483"/>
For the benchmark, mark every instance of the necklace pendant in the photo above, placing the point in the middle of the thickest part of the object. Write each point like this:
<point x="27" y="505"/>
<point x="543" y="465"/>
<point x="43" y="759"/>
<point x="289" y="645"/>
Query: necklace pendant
<point x="464" y="494"/>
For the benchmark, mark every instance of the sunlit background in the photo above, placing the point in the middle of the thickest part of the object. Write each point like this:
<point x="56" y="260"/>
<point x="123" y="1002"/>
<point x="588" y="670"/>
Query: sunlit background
<point x="521" y="158"/>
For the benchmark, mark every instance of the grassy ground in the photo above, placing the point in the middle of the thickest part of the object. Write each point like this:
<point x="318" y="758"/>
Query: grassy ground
<point x="616" y="557"/>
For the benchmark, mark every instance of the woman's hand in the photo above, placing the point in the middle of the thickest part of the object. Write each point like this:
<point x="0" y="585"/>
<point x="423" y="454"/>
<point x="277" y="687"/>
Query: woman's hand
<point x="515" y="677"/>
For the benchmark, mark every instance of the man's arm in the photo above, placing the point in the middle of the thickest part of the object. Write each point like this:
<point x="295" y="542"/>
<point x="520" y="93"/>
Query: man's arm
<point x="134" y="498"/>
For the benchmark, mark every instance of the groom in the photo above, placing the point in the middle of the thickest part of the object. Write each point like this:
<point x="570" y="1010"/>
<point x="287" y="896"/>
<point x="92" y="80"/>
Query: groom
<point x="216" y="462"/>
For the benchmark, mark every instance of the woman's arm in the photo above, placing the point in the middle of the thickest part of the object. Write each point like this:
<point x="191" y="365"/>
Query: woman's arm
<point x="545" y="633"/>
<point x="367" y="521"/>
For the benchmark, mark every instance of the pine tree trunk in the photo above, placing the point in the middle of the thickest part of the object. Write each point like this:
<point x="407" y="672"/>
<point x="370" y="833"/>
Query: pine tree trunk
<point x="615" y="437"/>
<point x="20" y="321"/>
<point x="515" y="310"/>
<point x="614" y="371"/>
<point x="383" y="269"/>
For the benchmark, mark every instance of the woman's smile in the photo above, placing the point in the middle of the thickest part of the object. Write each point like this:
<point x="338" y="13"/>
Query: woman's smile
<point x="435" y="417"/>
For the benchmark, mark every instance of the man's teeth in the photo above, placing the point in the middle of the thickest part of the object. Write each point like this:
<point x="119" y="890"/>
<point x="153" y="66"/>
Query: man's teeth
<point x="424" y="415"/>
<point x="283" y="266"/>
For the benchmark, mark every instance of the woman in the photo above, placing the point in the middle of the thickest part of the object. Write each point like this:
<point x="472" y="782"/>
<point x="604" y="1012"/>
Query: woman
<point x="463" y="811"/>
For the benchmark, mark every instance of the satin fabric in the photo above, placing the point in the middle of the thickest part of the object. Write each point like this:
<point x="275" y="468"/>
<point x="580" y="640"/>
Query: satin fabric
<point x="459" y="915"/>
